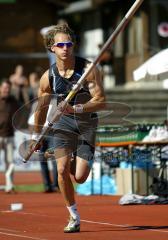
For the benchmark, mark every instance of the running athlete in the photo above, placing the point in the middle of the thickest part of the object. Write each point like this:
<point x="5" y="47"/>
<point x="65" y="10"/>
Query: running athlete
<point x="74" y="133"/>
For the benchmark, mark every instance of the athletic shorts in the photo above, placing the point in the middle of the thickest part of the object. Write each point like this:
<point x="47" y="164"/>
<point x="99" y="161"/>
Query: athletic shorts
<point x="79" y="135"/>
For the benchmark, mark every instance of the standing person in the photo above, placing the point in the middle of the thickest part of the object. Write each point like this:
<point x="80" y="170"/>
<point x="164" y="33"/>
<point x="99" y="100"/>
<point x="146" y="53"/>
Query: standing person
<point x="50" y="181"/>
<point x="33" y="85"/>
<point x="8" y="106"/>
<point x="19" y="87"/>
<point x="74" y="133"/>
<point x="20" y="90"/>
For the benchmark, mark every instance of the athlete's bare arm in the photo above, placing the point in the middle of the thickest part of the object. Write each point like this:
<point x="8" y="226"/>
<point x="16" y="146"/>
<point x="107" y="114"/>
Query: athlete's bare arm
<point x="97" y="102"/>
<point x="44" y="98"/>
<point x="95" y="85"/>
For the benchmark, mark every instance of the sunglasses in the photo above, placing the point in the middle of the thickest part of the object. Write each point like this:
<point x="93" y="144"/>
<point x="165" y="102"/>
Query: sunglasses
<point x="62" y="44"/>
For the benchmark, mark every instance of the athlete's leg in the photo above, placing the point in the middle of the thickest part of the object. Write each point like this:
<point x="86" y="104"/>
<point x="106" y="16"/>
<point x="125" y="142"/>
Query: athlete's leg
<point x="84" y="160"/>
<point x="63" y="157"/>
<point x="82" y="170"/>
<point x="85" y="150"/>
<point x="66" y="140"/>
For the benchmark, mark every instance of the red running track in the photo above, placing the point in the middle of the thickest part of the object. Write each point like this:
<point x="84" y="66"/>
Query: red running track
<point x="44" y="216"/>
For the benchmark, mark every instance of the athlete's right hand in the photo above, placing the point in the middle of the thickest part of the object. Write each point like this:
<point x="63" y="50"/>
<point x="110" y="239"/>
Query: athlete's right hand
<point x="27" y="148"/>
<point x="34" y="146"/>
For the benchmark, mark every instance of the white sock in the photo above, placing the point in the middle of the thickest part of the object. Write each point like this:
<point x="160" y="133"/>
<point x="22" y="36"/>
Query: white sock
<point x="73" y="212"/>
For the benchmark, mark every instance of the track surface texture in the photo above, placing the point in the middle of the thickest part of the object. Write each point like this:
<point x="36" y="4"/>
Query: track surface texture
<point x="44" y="216"/>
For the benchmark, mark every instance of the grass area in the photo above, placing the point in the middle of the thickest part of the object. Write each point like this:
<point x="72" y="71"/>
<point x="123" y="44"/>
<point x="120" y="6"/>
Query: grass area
<point x="30" y="188"/>
<point x="33" y="187"/>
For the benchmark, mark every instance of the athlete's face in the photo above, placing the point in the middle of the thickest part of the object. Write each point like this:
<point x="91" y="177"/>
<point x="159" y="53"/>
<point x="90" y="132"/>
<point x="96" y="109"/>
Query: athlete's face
<point x="63" y="46"/>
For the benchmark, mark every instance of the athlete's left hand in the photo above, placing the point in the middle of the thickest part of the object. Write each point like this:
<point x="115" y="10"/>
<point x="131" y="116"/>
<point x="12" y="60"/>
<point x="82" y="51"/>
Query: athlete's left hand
<point x="65" y="108"/>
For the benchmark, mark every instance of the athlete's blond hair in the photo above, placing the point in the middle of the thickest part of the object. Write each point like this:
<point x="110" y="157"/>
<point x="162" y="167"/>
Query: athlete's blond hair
<point x="59" y="28"/>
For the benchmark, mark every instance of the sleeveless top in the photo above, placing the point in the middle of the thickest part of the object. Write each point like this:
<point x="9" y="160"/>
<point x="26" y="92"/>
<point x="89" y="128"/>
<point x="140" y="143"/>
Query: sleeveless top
<point x="61" y="86"/>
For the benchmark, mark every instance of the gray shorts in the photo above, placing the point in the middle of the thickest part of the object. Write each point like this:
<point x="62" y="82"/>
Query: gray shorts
<point x="77" y="135"/>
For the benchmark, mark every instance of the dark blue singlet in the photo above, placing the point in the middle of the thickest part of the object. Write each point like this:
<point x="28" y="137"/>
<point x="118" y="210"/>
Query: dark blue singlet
<point x="76" y="131"/>
<point x="62" y="86"/>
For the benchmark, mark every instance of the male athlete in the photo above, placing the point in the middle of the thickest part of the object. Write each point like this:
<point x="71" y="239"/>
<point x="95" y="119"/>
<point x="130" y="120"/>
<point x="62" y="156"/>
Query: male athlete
<point x="74" y="133"/>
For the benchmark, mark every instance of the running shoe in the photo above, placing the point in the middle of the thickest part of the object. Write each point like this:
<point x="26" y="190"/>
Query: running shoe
<point x="73" y="226"/>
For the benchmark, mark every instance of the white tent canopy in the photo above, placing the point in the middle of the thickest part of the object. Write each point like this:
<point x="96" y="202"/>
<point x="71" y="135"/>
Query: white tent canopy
<point x="156" y="67"/>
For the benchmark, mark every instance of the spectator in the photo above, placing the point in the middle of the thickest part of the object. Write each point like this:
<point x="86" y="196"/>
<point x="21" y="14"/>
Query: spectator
<point x="19" y="90"/>
<point x="50" y="182"/>
<point x="19" y="85"/>
<point x="33" y="85"/>
<point x="8" y="106"/>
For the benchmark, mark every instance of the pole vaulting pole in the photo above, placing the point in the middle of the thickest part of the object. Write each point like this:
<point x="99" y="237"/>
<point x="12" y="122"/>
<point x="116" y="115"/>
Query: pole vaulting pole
<point x="107" y="44"/>
<point x="77" y="86"/>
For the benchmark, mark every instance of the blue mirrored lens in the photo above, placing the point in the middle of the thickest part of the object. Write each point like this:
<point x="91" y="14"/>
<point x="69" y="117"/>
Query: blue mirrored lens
<point x="62" y="44"/>
<point x="69" y="44"/>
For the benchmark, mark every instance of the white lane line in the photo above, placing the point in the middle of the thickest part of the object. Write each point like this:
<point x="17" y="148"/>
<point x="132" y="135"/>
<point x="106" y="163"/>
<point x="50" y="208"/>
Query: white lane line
<point x="124" y="226"/>
<point x="105" y="223"/>
<point x="20" y="236"/>
<point x="93" y="222"/>
<point x="35" y="214"/>
<point x="10" y="230"/>
<point x="102" y="223"/>
<point x="26" y="213"/>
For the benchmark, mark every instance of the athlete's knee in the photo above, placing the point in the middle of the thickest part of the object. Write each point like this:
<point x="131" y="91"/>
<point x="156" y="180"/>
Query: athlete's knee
<point x="80" y="179"/>
<point x="62" y="172"/>
<point x="81" y="176"/>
